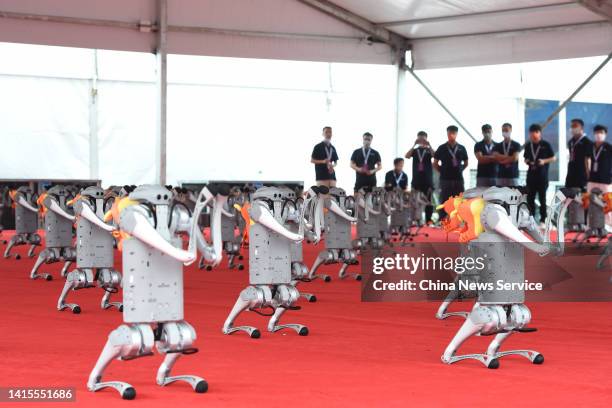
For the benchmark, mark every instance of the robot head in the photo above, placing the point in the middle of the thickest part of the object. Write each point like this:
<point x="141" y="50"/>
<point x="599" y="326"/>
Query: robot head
<point x="95" y="196"/>
<point x="511" y="199"/>
<point x="27" y="193"/>
<point x="281" y="201"/>
<point x="60" y="193"/>
<point x="154" y="204"/>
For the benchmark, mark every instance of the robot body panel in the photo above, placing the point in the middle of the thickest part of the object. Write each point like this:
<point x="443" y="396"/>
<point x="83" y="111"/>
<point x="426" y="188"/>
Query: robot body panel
<point x="58" y="231"/>
<point x="26" y="221"/>
<point x="505" y="261"/>
<point x="337" y="232"/>
<point x="94" y="246"/>
<point x="269" y="257"/>
<point x="153" y="284"/>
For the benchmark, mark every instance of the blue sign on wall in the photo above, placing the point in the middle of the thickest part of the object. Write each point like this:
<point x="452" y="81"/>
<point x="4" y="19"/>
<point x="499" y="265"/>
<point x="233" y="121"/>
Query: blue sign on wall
<point x="537" y="111"/>
<point x="591" y="113"/>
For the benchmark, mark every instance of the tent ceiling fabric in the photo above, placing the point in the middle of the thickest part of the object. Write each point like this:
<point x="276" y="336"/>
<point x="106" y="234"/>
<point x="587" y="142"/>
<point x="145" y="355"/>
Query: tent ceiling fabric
<point x="442" y="33"/>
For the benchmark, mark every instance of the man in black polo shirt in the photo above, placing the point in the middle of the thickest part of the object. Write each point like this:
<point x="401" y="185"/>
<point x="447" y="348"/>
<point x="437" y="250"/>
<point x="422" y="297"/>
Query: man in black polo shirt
<point x="487" y="163"/>
<point x="600" y="175"/>
<point x="450" y="160"/>
<point x="580" y="149"/>
<point x="324" y="157"/>
<point x="422" y="171"/>
<point x="538" y="155"/>
<point x="507" y="155"/>
<point x="396" y="177"/>
<point x="366" y="162"/>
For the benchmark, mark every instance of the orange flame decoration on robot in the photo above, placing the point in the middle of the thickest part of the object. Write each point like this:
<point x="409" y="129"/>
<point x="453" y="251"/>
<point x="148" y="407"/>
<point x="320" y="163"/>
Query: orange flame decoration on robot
<point x="463" y="217"/>
<point x="244" y="211"/>
<point x="607" y="198"/>
<point x="114" y="214"/>
<point x="608" y="201"/>
<point x="41" y="207"/>
<point x="12" y="194"/>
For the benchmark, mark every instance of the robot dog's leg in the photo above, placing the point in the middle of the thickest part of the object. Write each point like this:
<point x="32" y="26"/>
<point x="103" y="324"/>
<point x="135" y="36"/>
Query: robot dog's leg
<point x="251" y="297"/>
<point x="285" y="296"/>
<point x="64" y="270"/>
<point x="34" y="240"/>
<point x="605" y="254"/>
<point x="46" y="256"/>
<point x="349" y="257"/>
<point x="325" y="257"/>
<point x="520" y="316"/>
<point x="14" y="240"/>
<point x="175" y="339"/>
<point x="299" y="272"/>
<point x="126" y="343"/>
<point x="202" y="264"/>
<point x="110" y="281"/>
<point x="77" y="279"/>
<point x="233" y="251"/>
<point x="442" y="313"/>
<point x="482" y="319"/>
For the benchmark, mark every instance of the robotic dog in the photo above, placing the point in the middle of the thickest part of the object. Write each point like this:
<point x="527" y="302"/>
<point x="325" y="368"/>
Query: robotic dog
<point x="492" y="230"/>
<point x="94" y="251"/>
<point x="26" y="222"/>
<point x="338" y="240"/>
<point x="597" y="218"/>
<point x="58" y="232"/>
<point x="307" y="216"/>
<point x="153" y="283"/>
<point x="230" y="220"/>
<point x="369" y="208"/>
<point x="576" y="221"/>
<point x="270" y="271"/>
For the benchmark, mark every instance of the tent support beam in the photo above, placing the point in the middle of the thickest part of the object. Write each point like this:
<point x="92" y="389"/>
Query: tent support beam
<point x="435" y="98"/>
<point x="375" y="32"/>
<point x="93" y="122"/>
<point x="161" y="90"/>
<point x="600" y="7"/>
<point x="582" y="85"/>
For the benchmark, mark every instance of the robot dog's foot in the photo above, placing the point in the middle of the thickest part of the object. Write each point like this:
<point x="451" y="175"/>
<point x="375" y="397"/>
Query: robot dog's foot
<point x="298" y="328"/>
<point x="76" y="309"/>
<point x="489" y="361"/>
<point x="531" y="355"/>
<point x="326" y="278"/>
<point x="106" y="304"/>
<point x="309" y="297"/>
<point x="126" y="391"/>
<point x="274" y="327"/>
<point x="253" y="332"/>
<point x="343" y="274"/>
<point x="442" y="316"/>
<point x="198" y="384"/>
<point x="45" y="276"/>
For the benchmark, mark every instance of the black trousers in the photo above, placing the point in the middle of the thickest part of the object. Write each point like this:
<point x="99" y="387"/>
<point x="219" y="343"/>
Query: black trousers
<point x="539" y="189"/>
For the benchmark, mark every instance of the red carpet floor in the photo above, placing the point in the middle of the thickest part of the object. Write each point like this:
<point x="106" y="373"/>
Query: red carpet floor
<point x="357" y="354"/>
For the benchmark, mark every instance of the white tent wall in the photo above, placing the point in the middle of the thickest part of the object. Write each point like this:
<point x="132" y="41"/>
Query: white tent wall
<point x="44" y="127"/>
<point x="266" y="130"/>
<point x="126" y="132"/>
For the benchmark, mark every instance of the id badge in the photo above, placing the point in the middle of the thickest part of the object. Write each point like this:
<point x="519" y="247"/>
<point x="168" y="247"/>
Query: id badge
<point x="421" y="166"/>
<point x="455" y="162"/>
<point x="595" y="167"/>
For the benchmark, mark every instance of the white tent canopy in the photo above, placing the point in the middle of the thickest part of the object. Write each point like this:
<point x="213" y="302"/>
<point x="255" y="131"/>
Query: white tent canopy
<point x="441" y="33"/>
